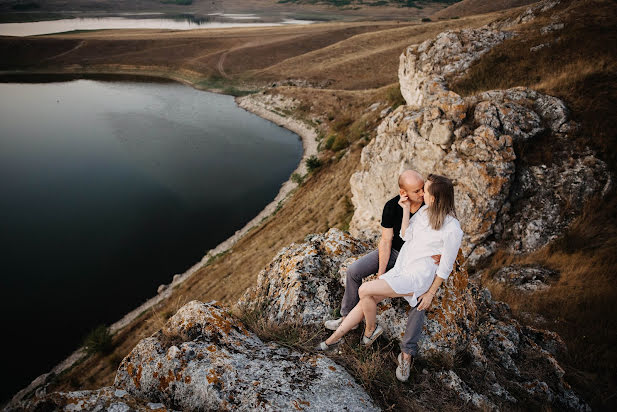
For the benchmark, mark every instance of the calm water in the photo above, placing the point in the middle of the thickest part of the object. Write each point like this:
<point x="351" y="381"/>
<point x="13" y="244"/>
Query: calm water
<point x="108" y="189"/>
<point x="185" y="22"/>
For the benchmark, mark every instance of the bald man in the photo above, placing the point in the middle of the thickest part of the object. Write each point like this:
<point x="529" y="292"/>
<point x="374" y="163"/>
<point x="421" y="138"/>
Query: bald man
<point x="411" y="184"/>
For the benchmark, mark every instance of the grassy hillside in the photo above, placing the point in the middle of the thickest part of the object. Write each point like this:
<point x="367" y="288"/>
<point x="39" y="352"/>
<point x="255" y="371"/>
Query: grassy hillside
<point x="471" y="7"/>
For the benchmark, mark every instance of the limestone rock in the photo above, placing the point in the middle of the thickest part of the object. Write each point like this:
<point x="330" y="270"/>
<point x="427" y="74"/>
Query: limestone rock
<point x="546" y="198"/>
<point x="104" y="399"/>
<point x="205" y="359"/>
<point x="525" y="278"/>
<point x="423" y="67"/>
<point x="463" y="322"/>
<point x="300" y="281"/>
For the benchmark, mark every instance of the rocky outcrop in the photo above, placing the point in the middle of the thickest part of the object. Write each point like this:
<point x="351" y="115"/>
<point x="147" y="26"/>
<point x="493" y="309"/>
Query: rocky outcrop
<point x="507" y="363"/>
<point x="480" y="142"/>
<point x="104" y="399"/>
<point x="205" y="359"/>
<point x="424" y="67"/>
<point x="525" y="278"/>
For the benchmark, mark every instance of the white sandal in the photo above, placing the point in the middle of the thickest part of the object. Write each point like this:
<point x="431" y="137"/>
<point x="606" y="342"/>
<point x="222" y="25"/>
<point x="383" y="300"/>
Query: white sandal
<point x="323" y="346"/>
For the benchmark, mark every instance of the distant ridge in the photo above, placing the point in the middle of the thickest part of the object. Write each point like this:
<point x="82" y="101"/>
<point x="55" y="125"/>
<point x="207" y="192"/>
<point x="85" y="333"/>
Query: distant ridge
<point x="471" y="7"/>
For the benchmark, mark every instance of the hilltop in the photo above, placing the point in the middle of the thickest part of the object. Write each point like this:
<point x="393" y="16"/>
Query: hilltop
<point x="471" y="7"/>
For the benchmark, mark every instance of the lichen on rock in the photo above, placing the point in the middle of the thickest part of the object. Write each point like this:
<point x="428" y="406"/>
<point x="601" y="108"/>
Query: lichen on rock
<point x="205" y="359"/>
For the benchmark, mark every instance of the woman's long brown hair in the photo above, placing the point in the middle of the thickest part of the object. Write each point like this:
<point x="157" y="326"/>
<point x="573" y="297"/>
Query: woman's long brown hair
<point x="443" y="190"/>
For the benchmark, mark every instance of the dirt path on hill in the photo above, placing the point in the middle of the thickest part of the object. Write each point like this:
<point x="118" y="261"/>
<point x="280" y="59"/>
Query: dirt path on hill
<point x="80" y="45"/>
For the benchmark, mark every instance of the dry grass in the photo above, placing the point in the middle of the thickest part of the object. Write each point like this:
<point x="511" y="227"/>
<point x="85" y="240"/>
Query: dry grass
<point x="373" y="367"/>
<point x="472" y="7"/>
<point x="358" y="56"/>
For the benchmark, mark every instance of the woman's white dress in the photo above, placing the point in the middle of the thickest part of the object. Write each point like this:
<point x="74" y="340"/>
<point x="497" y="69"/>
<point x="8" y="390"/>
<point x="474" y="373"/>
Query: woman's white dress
<point x="415" y="269"/>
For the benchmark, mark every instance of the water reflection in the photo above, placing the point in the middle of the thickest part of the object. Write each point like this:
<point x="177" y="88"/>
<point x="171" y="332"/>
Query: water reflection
<point x="169" y="22"/>
<point x="107" y="190"/>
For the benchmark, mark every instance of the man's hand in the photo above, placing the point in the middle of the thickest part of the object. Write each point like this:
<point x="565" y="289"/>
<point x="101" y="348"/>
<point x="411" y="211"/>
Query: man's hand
<point x="425" y="300"/>
<point x="437" y="259"/>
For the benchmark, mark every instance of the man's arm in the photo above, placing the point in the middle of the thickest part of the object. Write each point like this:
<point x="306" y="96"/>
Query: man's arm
<point x="427" y="297"/>
<point x="385" y="247"/>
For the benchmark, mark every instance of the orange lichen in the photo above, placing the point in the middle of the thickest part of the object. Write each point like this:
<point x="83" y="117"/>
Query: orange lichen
<point x="164" y="380"/>
<point x="187" y="379"/>
<point x="211" y="348"/>
<point x="332" y="368"/>
<point x="135" y="374"/>
<point x="213" y="378"/>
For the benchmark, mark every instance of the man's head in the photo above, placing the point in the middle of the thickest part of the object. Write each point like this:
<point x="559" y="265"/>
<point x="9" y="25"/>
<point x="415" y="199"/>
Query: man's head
<point x="411" y="184"/>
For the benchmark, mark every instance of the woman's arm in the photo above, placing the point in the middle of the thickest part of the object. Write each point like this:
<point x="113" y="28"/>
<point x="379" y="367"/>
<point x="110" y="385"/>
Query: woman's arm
<point x="427" y="297"/>
<point x="451" y="245"/>
<point x="405" y="203"/>
<point x="452" y="238"/>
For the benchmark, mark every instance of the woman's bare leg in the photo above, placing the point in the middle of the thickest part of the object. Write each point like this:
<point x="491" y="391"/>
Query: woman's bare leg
<point x="352" y="319"/>
<point x="368" y="292"/>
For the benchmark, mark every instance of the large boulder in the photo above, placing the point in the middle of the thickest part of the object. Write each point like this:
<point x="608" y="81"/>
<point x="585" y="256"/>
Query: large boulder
<point x="483" y="143"/>
<point x="205" y="359"/>
<point x="304" y="284"/>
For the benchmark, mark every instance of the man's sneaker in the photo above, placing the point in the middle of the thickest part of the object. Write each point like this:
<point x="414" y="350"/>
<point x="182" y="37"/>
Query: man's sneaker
<point x="367" y="341"/>
<point x="333" y="324"/>
<point x="404" y="368"/>
<point x="324" y="347"/>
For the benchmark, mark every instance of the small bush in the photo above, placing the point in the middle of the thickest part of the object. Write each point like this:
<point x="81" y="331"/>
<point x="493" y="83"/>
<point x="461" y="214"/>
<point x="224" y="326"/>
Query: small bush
<point x="99" y="340"/>
<point x="394" y="97"/>
<point x="330" y="141"/>
<point x="425" y="19"/>
<point x="312" y="163"/>
<point x="342" y="123"/>
<point x="297" y="178"/>
<point x="340" y="143"/>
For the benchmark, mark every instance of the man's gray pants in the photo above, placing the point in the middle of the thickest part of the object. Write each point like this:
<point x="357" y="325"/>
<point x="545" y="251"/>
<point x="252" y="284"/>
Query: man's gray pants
<point x="368" y="265"/>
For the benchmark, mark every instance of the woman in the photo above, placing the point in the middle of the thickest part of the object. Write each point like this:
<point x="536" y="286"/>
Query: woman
<point x="433" y="230"/>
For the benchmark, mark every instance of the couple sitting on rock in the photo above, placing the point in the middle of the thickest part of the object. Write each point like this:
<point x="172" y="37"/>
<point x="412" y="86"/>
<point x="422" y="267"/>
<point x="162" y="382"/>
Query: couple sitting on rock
<point x="420" y="239"/>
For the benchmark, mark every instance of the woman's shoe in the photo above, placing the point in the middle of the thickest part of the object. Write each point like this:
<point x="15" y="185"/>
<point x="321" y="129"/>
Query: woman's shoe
<point x="333" y="324"/>
<point x="403" y="369"/>
<point x="367" y="341"/>
<point x="324" y="347"/>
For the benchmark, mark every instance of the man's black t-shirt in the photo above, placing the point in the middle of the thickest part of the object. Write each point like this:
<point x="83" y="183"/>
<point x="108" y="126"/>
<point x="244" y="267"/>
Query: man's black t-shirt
<point x="392" y="217"/>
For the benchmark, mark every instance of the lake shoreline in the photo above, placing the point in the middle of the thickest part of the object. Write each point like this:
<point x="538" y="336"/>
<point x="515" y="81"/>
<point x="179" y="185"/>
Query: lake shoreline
<point x="306" y="134"/>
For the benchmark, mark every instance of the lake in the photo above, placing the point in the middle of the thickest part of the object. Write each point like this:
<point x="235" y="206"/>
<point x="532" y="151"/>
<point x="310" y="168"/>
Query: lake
<point x="108" y="190"/>
<point x="153" y="21"/>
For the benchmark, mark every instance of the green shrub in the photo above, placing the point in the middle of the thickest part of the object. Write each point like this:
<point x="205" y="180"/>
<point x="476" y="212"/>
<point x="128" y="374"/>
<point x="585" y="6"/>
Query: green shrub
<point x="312" y="163"/>
<point x="330" y="141"/>
<point x="99" y="340"/>
<point x="340" y="143"/>
<point x="297" y="178"/>
<point x="426" y="19"/>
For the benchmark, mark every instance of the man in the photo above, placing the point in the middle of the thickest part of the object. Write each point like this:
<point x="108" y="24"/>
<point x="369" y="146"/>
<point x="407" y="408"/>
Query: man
<point x="411" y="184"/>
